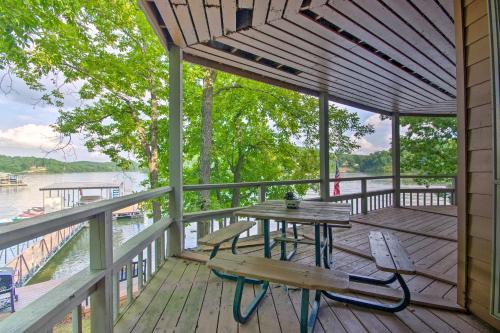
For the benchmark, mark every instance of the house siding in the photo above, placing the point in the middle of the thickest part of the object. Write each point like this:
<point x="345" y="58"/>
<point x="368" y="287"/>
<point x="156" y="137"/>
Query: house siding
<point x="478" y="203"/>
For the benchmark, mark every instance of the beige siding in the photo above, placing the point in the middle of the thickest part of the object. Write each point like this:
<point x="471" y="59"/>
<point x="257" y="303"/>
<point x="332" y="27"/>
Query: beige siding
<point x="479" y="168"/>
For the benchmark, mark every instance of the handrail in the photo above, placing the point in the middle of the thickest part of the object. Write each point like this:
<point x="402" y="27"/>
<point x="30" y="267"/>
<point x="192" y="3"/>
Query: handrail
<point x="18" y="232"/>
<point x="202" y="187"/>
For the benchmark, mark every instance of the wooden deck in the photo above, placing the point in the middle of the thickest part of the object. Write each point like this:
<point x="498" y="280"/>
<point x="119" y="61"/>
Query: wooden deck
<point x="185" y="297"/>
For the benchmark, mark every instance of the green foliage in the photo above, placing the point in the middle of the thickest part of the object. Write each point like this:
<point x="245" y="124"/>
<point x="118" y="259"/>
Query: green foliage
<point x="429" y="146"/>
<point x="378" y="162"/>
<point x="108" y="51"/>
<point x="17" y="164"/>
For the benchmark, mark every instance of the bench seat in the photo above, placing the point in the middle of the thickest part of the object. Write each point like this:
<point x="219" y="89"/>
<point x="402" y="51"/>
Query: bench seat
<point x="389" y="254"/>
<point x="227" y="233"/>
<point x="283" y="272"/>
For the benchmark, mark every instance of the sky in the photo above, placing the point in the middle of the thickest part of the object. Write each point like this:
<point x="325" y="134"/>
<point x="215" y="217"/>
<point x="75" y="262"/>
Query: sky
<point x="25" y="127"/>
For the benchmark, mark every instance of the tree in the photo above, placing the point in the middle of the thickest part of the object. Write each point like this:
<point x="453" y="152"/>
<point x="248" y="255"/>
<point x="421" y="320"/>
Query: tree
<point x="429" y="145"/>
<point x="235" y="129"/>
<point x="107" y="50"/>
<point x="261" y="132"/>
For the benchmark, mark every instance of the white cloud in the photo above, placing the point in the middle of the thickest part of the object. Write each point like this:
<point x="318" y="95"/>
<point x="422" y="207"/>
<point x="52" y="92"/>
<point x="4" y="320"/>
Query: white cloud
<point x="41" y="141"/>
<point x="29" y="136"/>
<point x="379" y="140"/>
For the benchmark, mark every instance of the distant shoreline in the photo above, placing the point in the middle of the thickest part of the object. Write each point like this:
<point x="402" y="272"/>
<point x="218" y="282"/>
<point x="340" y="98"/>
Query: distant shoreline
<point x="36" y="165"/>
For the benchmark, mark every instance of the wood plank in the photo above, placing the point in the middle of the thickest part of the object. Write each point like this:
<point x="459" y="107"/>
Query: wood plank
<point x="200" y="22"/>
<point x="479" y="116"/>
<point x="229" y="16"/>
<point x="214" y="17"/>
<point x="477" y="51"/>
<point x="319" y="73"/>
<point x="293" y="274"/>
<point x="307" y="30"/>
<point x="402" y="260"/>
<point x="168" y="16"/>
<point x="415" y="232"/>
<point x="210" y="309"/>
<point x="383" y="39"/>
<point x="173" y="309"/>
<point x="260" y="12"/>
<point x="381" y="253"/>
<point x="442" y="19"/>
<point x="148" y="319"/>
<point x="336" y="54"/>
<point x="478" y="73"/>
<point x="479" y="94"/>
<point x="225" y="234"/>
<point x="184" y="18"/>
<point x="192" y="308"/>
<point x="429" y="40"/>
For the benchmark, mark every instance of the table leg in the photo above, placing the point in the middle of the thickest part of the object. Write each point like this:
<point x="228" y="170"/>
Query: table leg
<point x="317" y="244"/>
<point x="330" y="244"/>
<point x="326" y="246"/>
<point x="283" y="244"/>
<point x="267" y="245"/>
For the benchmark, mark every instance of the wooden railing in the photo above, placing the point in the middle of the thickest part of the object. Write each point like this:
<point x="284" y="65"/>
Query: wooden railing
<point x="362" y="201"/>
<point x="101" y="280"/>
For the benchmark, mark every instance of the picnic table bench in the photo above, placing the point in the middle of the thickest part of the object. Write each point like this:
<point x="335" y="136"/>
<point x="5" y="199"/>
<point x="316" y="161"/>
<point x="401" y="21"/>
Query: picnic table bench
<point x="216" y="238"/>
<point x="390" y="256"/>
<point x="268" y="270"/>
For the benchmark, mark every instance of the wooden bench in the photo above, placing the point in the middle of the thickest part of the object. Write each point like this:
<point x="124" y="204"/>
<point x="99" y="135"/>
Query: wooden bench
<point x="293" y="274"/>
<point x="232" y="231"/>
<point x="390" y="256"/>
<point x="216" y="238"/>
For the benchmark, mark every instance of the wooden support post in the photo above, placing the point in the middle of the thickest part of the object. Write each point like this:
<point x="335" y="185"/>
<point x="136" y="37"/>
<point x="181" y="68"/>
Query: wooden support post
<point x="175" y="232"/>
<point x="396" y="154"/>
<point x="101" y="257"/>
<point x="324" y="149"/>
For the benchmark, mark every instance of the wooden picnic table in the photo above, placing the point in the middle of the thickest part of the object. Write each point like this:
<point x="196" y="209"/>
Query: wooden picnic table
<point x="317" y="214"/>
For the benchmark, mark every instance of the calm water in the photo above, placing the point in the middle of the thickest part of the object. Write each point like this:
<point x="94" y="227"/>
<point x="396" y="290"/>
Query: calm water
<point x="75" y="255"/>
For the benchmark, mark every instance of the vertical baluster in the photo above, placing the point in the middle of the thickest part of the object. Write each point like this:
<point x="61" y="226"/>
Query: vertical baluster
<point x="149" y="262"/>
<point x="116" y="295"/>
<point x="76" y="319"/>
<point x="140" y="270"/>
<point x="130" y="290"/>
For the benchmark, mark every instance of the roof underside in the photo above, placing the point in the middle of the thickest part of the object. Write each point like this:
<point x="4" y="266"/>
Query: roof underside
<point x="379" y="55"/>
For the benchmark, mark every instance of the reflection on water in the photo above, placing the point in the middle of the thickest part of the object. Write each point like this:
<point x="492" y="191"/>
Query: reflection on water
<point x="74" y="256"/>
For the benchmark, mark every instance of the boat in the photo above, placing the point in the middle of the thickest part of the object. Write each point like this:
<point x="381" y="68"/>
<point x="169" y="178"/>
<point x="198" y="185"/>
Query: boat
<point x="29" y="213"/>
<point x="129" y="212"/>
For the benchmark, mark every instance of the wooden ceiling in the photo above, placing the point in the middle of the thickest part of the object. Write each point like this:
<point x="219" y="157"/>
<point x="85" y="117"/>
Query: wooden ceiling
<point x="379" y="55"/>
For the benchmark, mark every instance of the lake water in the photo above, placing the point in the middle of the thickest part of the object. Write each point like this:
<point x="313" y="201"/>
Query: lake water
<point x="74" y="256"/>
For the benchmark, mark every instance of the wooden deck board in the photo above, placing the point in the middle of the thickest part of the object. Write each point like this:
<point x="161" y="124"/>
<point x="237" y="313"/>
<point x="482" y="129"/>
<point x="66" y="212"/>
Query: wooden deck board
<point x="204" y="302"/>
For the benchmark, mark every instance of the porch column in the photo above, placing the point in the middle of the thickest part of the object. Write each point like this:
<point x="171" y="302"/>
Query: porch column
<point x="396" y="154"/>
<point x="324" y="148"/>
<point x="175" y="232"/>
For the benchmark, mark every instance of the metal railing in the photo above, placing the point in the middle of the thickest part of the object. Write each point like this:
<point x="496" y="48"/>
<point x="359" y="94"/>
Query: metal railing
<point x="101" y="280"/>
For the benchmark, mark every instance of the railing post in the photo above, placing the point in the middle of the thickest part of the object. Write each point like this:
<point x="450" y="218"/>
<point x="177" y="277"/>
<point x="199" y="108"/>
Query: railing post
<point x="364" y="197"/>
<point x="396" y="154"/>
<point x="454" y="193"/>
<point x="175" y="233"/>
<point x="101" y="257"/>
<point x="324" y="149"/>
<point x="262" y="198"/>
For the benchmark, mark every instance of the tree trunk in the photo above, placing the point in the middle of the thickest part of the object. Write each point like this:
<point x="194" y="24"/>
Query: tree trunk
<point x="209" y="78"/>
<point x="235" y="202"/>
